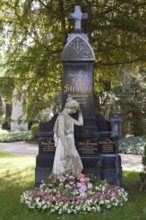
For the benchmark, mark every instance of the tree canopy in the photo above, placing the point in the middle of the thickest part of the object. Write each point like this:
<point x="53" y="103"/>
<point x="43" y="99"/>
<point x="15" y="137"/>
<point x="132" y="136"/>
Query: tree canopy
<point x="34" y="33"/>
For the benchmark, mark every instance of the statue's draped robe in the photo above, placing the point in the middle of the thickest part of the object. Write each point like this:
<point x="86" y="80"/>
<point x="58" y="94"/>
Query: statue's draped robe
<point x="67" y="159"/>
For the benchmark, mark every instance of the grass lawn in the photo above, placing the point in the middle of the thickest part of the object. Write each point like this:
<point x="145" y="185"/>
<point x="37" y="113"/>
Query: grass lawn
<point x="17" y="175"/>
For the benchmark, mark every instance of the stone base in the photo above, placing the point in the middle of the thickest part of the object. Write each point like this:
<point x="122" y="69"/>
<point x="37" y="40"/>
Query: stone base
<point x="103" y="167"/>
<point x="43" y="160"/>
<point x="41" y="173"/>
<point x="110" y="160"/>
<point x="111" y="169"/>
<point x="112" y="176"/>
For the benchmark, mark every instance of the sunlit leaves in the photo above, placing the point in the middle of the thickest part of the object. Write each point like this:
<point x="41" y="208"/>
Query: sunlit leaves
<point x="34" y="34"/>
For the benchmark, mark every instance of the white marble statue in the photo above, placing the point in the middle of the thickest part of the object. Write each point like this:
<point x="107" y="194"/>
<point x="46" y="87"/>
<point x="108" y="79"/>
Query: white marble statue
<point x="67" y="159"/>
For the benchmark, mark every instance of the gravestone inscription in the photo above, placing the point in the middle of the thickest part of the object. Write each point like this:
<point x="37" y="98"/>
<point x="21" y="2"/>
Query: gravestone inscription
<point x="106" y="145"/>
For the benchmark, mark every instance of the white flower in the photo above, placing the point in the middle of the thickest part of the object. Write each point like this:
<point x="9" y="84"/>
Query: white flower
<point x="101" y="202"/>
<point x="54" y="190"/>
<point x="68" y="211"/>
<point x="44" y="207"/>
<point x="93" y="203"/>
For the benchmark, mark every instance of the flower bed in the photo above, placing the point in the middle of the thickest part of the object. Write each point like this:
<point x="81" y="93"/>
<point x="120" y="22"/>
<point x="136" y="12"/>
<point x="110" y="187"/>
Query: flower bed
<point x="69" y="194"/>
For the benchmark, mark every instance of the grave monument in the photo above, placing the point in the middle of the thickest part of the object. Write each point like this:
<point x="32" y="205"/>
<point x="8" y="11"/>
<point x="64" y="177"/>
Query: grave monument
<point x="18" y="116"/>
<point x="96" y="146"/>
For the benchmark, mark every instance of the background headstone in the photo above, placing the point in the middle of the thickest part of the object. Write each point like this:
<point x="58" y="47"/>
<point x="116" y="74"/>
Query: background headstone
<point x="18" y="117"/>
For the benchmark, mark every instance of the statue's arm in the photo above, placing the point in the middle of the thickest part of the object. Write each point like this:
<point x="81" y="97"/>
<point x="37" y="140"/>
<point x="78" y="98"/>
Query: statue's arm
<point x="79" y="122"/>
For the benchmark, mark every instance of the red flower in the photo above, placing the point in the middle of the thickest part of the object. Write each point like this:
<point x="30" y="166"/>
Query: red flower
<point x="82" y="183"/>
<point x="81" y="175"/>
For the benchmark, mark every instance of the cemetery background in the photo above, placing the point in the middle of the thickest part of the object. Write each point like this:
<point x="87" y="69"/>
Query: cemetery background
<point x="138" y="110"/>
<point x="119" y="70"/>
<point x="119" y="78"/>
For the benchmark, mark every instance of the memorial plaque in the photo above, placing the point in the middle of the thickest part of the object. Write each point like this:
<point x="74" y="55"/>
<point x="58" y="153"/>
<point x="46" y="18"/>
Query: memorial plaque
<point x="107" y="146"/>
<point x="46" y="146"/>
<point x="87" y="147"/>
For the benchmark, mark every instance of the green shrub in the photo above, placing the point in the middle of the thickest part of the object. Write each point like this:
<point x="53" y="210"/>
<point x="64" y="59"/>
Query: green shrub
<point x="8" y="136"/>
<point x="132" y="145"/>
<point x="137" y="124"/>
<point x="143" y="174"/>
<point x="34" y="130"/>
<point x="144" y="161"/>
<point x="144" y="131"/>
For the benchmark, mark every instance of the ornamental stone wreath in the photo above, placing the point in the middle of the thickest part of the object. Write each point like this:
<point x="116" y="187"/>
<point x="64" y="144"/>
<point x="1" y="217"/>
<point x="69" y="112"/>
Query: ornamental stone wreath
<point x="73" y="195"/>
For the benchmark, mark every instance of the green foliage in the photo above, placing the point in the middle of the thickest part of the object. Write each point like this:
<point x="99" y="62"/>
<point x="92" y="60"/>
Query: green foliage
<point x="7" y="121"/>
<point x="1" y="107"/>
<point x="6" y="136"/>
<point x="144" y="160"/>
<point x="7" y="86"/>
<point x="132" y="145"/>
<point x="144" y="130"/>
<point x="136" y="102"/>
<point x="34" y="130"/>
<point x="130" y="177"/>
<point x="1" y="111"/>
<point x="143" y="174"/>
<point x="137" y="124"/>
<point x="130" y="101"/>
<point x="34" y="34"/>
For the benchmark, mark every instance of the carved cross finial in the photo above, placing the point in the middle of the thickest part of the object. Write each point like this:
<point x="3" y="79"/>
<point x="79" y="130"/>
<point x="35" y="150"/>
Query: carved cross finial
<point x="77" y="16"/>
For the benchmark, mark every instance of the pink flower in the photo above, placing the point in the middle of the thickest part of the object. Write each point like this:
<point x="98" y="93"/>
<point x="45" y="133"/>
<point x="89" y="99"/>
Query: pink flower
<point x="67" y="186"/>
<point x="71" y="183"/>
<point x="47" y="197"/>
<point x="62" y="179"/>
<point x="80" y="184"/>
<point x="83" y="189"/>
<point x="71" y="177"/>
<point x="89" y="185"/>
<point x="82" y="179"/>
<point x="111" y="193"/>
<point x="81" y="175"/>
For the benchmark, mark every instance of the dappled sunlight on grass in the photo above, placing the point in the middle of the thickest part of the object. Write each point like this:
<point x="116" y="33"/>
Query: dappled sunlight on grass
<point x="16" y="170"/>
<point x="130" y="176"/>
<point x="132" y="181"/>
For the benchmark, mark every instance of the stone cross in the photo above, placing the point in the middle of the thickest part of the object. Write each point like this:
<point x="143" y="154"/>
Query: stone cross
<point x="77" y="16"/>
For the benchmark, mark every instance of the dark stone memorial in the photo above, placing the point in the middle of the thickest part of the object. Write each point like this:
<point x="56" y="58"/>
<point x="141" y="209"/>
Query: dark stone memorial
<point x="97" y="149"/>
<point x="78" y="59"/>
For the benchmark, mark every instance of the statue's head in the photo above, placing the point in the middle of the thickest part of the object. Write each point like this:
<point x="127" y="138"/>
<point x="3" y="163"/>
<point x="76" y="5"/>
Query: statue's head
<point x="72" y="104"/>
